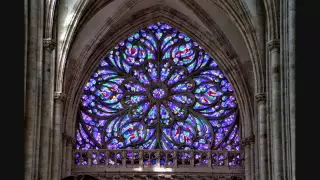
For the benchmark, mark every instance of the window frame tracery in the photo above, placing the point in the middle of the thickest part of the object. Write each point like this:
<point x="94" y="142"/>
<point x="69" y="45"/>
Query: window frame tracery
<point x="149" y="96"/>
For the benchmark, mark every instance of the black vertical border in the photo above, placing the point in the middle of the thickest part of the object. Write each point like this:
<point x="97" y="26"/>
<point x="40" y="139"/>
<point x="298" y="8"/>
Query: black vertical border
<point x="307" y="90"/>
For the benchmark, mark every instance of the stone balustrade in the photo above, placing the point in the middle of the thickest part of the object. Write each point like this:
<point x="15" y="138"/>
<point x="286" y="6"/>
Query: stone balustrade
<point x="110" y="161"/>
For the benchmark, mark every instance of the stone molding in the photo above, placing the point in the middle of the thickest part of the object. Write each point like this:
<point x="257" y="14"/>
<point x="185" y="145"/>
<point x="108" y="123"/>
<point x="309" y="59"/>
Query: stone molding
<point x="154" y="176"/>
<point x="261" y="98"/>
<point x="246" y="142"/>
<point x="81" y="177"/>
<point x="49" y="44"/>
<point x="274" y="45"/>
<point x="69" y="139"/>
<point x="60" y="96"/>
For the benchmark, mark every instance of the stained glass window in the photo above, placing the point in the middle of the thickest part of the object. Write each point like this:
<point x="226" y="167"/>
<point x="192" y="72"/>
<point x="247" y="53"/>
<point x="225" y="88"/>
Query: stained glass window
<point x="158" y="89"/>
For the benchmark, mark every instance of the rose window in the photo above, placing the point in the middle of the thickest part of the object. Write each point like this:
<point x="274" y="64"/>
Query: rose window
<point x="158" y="89"/>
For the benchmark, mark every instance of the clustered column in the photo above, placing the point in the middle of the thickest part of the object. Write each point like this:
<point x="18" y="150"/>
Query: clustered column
<point x="46" y="109"/>
<point x="33" y="21"/>
<point x="274" y="55"/>
<point x="59" y="99"/>
<point x="69" y="144"/>
<point x="263" y="146"/>
<point x="246" y="143"/>
<point x="291" y="31"/>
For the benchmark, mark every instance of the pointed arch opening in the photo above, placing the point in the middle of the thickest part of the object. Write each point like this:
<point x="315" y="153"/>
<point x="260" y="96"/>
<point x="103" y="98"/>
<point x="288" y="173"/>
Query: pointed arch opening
<point x="158" y="89"/>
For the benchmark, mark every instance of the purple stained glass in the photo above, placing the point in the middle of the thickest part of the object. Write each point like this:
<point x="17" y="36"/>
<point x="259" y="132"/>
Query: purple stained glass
<point x="158" y="93"/>
<point x="158" y="89"/>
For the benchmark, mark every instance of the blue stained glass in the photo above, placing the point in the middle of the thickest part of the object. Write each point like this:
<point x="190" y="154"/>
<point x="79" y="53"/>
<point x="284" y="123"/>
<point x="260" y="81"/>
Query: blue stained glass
<point x="138" y="74"/>
<point x="165" y="41"/>
<point x="165" y="71"/>
<point x="149" y="44"/>
<point x="133" y="87"/>
<point x="169" y="44"/>
<point x="152" y="71"/>
<point x="152" y="116"/>
<point x="176" y="76"/>
<point x="132" y="100"/>
<point x="165" y="117"/>
<point x="159" y="34"/>
<point x="158" y="76"/>
<point x="158" y="93"/>
<point x="141" y="109"/>
<point x="184" y="86"/>
<point x="183" y="99"/>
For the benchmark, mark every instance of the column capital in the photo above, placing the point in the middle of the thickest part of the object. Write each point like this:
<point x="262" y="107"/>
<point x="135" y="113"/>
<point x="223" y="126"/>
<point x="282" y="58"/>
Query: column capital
<point x="49" y="44"/>
<point x="60" y="96"/>
<point x="246" y="142"/>
<point x="69" y="139"/>
<point x="273" y="45"/>
<point x="261" y="98"/>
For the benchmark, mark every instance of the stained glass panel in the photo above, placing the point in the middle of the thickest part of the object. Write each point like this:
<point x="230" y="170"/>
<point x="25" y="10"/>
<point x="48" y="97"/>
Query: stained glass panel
<point x="158" y="89"/>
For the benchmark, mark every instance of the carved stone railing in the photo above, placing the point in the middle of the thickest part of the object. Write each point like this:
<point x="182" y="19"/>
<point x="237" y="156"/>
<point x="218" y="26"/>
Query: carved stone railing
<point x="180" y="161"/>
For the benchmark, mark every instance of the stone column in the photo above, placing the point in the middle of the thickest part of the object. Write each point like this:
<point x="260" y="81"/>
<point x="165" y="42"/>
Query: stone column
<point x="263" y="146"/>
<point x="246" y="145"/>
<point x="292" y="91"/>
<point x="47" y="110"/>
<point x="64" y="155"/>
<point x="70" y="142"/>
<point x="247" y="161"/>
<point x="57" y="138"/>
<point x="260" y="26"/>
<point x="253" y="156"/>
<point x="274" y="54"/>
<point x="34" y="28"/>
<point x="33" y="62"/>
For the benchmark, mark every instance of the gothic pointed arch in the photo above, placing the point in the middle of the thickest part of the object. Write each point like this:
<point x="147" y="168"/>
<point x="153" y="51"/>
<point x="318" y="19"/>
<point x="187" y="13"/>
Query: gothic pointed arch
<point x="158" y="89"/>
<point x="89" y="60"/>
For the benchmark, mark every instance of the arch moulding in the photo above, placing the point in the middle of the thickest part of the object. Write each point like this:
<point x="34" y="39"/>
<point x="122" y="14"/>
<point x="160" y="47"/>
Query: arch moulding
<point x="89" y="59"/>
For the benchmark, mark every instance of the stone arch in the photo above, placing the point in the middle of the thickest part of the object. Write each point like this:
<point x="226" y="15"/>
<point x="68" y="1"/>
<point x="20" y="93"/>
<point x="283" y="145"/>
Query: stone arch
<point x="51" y="17"/>
<point x="239" y="13"/>
<point x="84" y="11"/>
<point x="272" y="9"/>
<point x="223" y="53"/>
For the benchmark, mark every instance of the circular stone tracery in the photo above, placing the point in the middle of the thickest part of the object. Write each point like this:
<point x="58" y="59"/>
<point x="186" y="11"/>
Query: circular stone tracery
<point x="158" y="89"/>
